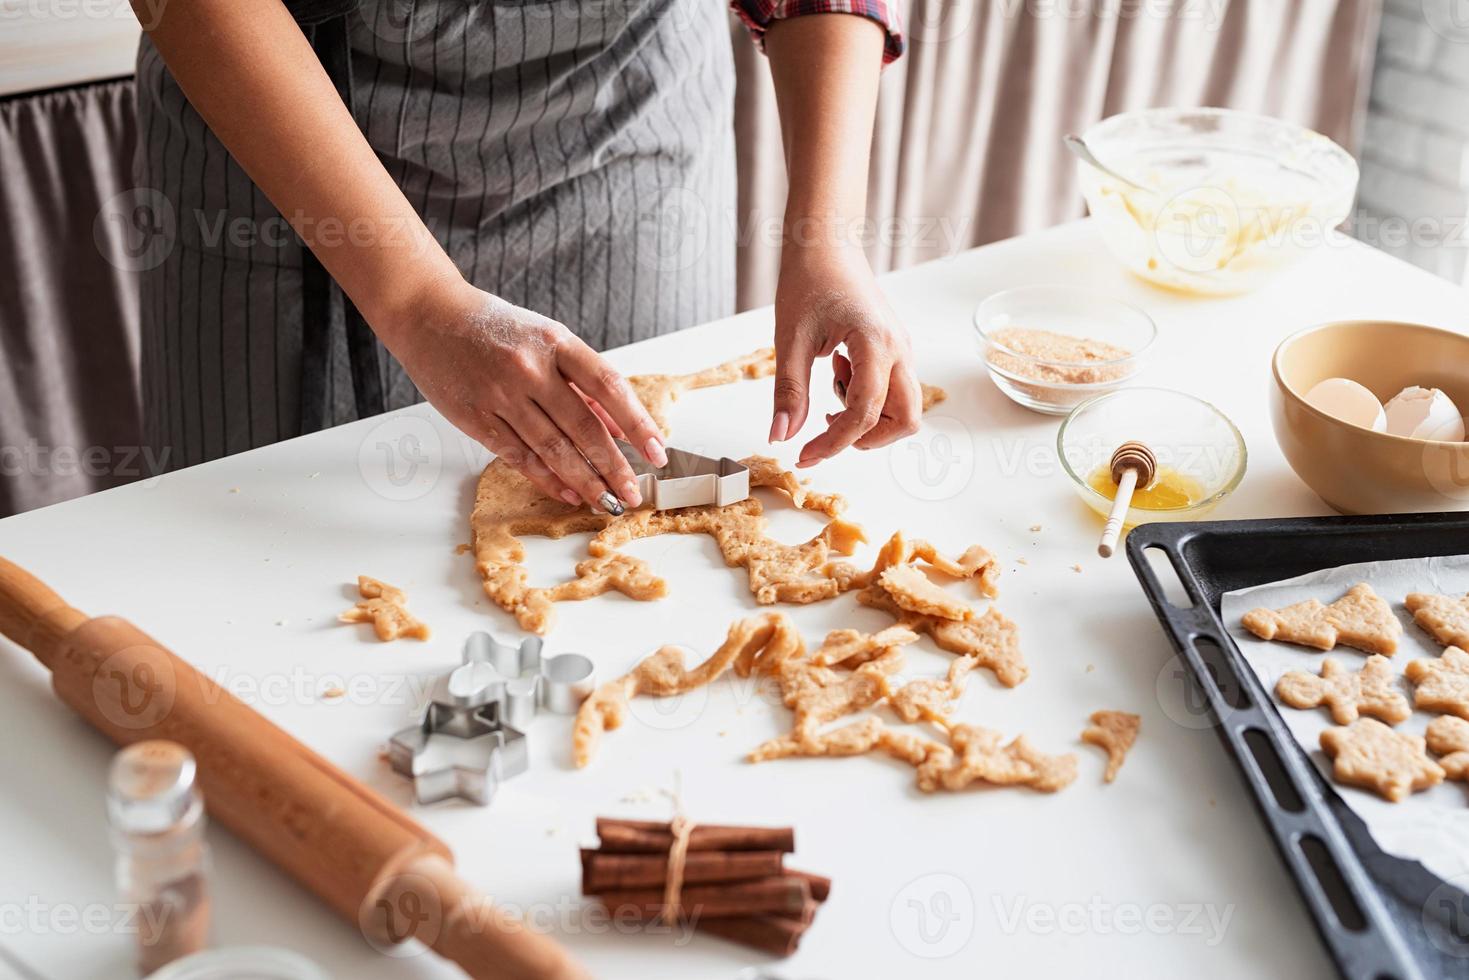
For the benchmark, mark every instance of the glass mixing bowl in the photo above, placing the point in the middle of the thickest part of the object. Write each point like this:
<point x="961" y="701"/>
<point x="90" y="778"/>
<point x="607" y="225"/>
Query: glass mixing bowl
<point x="1188" y="436"/>
<point x="1227" y="199"/>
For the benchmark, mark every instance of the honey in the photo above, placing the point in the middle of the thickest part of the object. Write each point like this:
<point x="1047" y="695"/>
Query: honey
<point x="1170" y="489"/>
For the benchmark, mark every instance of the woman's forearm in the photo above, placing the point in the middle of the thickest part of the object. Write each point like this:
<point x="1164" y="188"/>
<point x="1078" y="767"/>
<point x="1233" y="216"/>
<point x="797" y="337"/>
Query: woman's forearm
<point x="826" y="69"/>
<point x="248" y="70"/>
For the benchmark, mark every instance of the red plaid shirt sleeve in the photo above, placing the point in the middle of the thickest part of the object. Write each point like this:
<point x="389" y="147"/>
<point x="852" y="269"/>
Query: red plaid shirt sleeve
<point x="760" y="14"/>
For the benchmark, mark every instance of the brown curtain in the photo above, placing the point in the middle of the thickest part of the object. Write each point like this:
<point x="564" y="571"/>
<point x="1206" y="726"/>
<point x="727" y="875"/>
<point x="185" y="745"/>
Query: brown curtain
<point x="967" y="148"/>
<point x="69" y="402"/>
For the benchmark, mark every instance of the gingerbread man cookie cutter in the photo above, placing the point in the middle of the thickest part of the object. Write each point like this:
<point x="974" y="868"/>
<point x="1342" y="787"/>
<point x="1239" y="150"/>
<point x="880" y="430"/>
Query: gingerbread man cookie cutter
<point x="688" y="480"/>
<point x="478" y="754"/>
<point x="521" y="680"/>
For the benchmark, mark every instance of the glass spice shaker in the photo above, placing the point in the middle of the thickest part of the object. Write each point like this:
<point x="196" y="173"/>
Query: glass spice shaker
<point x="157" y="824"/>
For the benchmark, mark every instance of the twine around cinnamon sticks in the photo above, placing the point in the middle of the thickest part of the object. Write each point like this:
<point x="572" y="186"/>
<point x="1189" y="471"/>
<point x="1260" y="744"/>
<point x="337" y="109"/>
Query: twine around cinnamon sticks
<point x="727" y="881"/>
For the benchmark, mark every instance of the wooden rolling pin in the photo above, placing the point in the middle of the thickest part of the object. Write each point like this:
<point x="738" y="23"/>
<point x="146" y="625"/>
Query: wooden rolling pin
<point x="360" y="854"/>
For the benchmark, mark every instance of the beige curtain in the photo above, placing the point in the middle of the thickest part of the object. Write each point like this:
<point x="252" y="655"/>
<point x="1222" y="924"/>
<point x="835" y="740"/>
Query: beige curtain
<point x="967" y="148"/>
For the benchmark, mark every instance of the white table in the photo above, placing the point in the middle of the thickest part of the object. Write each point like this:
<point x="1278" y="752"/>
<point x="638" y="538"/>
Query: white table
<point x="242" y="565"/>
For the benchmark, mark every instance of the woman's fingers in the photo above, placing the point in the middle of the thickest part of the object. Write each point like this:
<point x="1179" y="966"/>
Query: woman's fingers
<point x="591" y="373"/>
<point x="795" y="350"/>
<point x="900" y="413"/>
<point x="841" y="376"/>
<point x="866" y="394"/>
<point x="601" y="413"/>
<point x="556" y="451"/>
<point x="589" y="435"/>
<point x="504" y="443"/>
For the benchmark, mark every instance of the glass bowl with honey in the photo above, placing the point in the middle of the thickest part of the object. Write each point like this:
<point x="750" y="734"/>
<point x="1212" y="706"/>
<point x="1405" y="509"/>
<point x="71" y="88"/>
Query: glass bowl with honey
<point x="1201" y="455"/>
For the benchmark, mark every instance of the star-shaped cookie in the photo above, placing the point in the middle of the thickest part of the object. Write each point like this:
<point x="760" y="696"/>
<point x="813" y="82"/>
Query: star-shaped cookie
<point x="1442" y="684"/>
<point x="1360" y="619"/>
<point x="1448" y="738"/>
<point x="1446" y="617"/>
<point x="1371" y="755"/>
<point x="1370" y="691"/>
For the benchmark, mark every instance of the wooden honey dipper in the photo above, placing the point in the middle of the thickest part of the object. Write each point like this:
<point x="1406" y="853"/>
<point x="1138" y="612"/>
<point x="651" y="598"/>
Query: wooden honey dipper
<point x="364" y="857"/>
<point x="1133" y="466"/>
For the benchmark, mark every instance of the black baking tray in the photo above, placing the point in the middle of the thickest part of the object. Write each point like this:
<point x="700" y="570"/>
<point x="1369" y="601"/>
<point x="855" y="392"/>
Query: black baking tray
<point x="1380" y="917"/>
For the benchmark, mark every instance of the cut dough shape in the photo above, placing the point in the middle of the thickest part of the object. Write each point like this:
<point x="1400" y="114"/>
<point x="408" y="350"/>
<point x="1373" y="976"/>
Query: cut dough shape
<point x="1114" y="732"/>
<point x="1446" y="617"/>
<point x="1371" y="755"/>
<point x="1441" y="685"/>
<point x="507" y="506"/>
<point x="1360" y="619"/>
<point x="1448" y="738"/>
<point x="386" y="608"/>
<point x="1371" y="691"/>
<point x="990" y="638"/>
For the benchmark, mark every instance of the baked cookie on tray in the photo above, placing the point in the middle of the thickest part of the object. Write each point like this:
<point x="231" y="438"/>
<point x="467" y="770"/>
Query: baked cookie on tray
<point x="1371" y="755"/>
<point x="1445" y="616"/>
<point x="1347" y="694"/>
<point x="1442" y="684"/>
<point x="1361" y="619"/>
<point x="1448" y="738"/>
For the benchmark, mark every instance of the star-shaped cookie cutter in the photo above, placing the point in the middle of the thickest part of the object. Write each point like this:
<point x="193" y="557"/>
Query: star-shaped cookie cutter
<point x="464" y="709"/>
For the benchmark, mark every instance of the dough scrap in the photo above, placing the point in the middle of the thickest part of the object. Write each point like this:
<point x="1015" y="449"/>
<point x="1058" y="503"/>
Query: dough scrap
<point x="1114" y="732"/>
<point x="979" y="757"/>
<point x="852" y="648"/>
<point x="386" y="608"/>
<point x="932" y="698"/>
<point x="1371" y="755"/>
<point x="1441" y="685"/>
<point x="1446" y="617"/>
<point x="1360" y="619"/>
<point x="1371" y="691"/>
<point x="663" y="675"/>
<point x="850" y="672"/>
<point x="915" y="592"/>
<point x="508" y="506"/>
<point x="991" y="638"/>
<point x="975" y="563"/>
<point x="1448" y="738"/>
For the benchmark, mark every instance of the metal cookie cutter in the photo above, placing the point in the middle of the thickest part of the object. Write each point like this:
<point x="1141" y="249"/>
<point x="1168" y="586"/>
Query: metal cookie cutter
<point x="479" y="753"/>
<point x="522" y="681"/>
<point x="689" y="479"/>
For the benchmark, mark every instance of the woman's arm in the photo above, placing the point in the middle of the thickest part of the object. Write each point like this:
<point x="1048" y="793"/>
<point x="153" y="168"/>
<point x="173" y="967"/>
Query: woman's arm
<point x="826" y="69"/>
<point x="502" y="374"/>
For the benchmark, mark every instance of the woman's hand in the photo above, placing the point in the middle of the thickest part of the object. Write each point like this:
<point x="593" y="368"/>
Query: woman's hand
<point x="827" y="297"/>
<point x="529" y="390"/>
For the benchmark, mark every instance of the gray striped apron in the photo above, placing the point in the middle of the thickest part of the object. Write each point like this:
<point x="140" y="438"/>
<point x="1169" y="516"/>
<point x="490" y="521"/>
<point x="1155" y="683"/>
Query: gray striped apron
<point x="572" y="156"/>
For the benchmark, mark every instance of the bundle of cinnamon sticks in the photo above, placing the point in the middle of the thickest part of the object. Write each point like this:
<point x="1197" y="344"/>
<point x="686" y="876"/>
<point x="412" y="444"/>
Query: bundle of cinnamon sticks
<point x="735" y="884"/>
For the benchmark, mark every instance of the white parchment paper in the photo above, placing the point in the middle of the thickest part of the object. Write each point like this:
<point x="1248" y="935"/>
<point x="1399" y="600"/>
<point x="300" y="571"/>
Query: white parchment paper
<point x="1431" y="826"/>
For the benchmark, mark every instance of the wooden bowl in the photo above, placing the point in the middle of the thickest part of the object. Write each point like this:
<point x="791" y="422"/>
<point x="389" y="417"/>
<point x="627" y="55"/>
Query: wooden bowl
<point x="1354" y="469"/>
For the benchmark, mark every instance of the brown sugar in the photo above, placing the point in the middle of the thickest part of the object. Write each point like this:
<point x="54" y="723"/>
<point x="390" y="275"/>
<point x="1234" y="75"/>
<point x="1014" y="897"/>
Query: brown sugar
<point x="1055" y="357"/>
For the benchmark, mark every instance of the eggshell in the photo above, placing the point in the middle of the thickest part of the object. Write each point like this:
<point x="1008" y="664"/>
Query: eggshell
<point x="1344" y="399"/>
<point x="1424" y="413"/>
